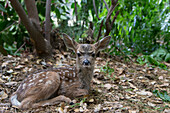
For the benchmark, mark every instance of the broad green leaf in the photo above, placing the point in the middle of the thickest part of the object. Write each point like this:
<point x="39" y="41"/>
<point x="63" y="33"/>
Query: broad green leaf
<point x="167" y="57"/>
<point x="73" y="5"/>
<point x="152" y="61"/>
<point x="57" y="13"/>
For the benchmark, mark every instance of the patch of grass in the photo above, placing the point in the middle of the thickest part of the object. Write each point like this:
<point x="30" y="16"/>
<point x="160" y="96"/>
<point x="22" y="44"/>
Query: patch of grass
<point x="162" y="108"/>
<point x="74" y="105"/>
<point x="128" y="89"/>
<point x="78" y="104"/>
<point x="149" y="60"/>
<point x="163" y="95"/>
<point x="109" y="71"/>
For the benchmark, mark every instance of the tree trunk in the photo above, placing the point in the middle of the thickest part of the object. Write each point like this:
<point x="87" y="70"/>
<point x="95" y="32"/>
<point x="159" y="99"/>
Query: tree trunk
<point x="31" y="23"/>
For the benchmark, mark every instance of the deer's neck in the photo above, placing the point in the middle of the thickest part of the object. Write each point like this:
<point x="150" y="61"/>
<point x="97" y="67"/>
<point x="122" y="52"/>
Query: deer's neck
<point x="85" y="77"/>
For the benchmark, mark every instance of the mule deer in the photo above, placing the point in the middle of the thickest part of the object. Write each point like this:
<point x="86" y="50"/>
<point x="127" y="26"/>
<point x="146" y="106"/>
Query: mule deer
<point x="60" y="84"/>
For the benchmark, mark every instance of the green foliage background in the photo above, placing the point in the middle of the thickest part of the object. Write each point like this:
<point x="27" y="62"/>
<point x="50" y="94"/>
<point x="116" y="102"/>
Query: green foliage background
<point x="142" y="26"/>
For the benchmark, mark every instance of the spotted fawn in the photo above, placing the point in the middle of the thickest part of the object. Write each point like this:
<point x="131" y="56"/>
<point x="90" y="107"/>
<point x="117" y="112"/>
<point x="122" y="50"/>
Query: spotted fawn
<point x="61" y="84"/>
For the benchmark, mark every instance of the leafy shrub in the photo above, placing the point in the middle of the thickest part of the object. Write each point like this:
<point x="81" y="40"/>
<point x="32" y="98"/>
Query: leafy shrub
<point x="155" y="58"/>
<point x="161" y="55"/>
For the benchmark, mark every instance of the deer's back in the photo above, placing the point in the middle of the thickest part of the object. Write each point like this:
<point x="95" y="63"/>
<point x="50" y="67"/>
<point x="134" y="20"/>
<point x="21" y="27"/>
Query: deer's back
<point x="68" y="81"/>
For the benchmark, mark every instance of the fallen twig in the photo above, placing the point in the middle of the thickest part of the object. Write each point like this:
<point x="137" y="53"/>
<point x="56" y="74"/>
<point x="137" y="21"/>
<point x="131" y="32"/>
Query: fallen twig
<point x="19" y="48"/>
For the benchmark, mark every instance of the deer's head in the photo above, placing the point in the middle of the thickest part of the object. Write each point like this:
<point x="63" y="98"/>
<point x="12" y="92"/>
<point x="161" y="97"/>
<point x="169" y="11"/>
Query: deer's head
<point x="86" y="53"/>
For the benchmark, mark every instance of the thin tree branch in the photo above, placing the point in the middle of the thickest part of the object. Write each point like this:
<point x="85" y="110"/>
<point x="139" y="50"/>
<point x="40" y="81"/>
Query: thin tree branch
<point x="8" y="27"/>
<point x="75" y="5"/>
<point x="106" y="5"/>
<point x="24" y="18"/>
<point x="108" y="28"/>
<point x="19" y="48"/>
<point x="111" y="11"/>
<point x="108" y="25"/>
<point x="47" y="21"/>
<point x="100" y="30"/>
<point x="114" y="18"/>
<point x="94" y="5"/>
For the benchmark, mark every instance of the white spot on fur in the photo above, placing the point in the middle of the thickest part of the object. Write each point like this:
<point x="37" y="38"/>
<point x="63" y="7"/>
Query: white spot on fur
<point x="44" y="74"/>
<point x="48" y="82"/>
<point x="30" y="84"/>
<point x="40" y="80"/>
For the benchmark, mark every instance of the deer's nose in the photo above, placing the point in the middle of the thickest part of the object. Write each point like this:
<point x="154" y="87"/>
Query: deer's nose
<point x="86" y="62"/>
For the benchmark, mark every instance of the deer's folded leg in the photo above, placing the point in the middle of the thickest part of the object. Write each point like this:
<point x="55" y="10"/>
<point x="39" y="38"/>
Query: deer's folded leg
<point x="52" y="101"/>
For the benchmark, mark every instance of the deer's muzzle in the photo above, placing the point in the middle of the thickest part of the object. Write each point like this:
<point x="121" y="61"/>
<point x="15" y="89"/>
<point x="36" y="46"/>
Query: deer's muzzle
<point x="86" y="62"/>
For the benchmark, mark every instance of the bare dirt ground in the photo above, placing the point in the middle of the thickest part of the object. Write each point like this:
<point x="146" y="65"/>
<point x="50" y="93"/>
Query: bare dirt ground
<point x="120" y="87"/>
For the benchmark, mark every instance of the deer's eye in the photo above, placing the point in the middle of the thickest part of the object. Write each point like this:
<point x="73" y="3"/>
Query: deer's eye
<point x="78" y="54"/>
<point x="93" y="54"/>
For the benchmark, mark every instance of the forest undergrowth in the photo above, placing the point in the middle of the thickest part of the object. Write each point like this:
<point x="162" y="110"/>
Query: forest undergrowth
<point x="118" y="86"/>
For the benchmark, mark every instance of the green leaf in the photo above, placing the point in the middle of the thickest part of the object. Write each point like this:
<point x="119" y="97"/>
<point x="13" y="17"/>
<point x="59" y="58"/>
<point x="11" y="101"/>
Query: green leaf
<point x="57" y="13"/>
<point x="159" y="54"/>
<point x="152" y="61"/>
<point x="103" y="18"/>
<point x="72" y="5"/>
<point x="2" y="8"/>
<point x="167" y="57"/>
<point x="8" y="38"/>
<point x="5" y="24"/>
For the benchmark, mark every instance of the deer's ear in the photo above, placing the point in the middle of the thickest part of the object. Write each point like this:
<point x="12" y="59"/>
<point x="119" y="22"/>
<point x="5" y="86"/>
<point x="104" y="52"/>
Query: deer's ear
<point x="102" y="44"/>
<point x="69" y="42"/>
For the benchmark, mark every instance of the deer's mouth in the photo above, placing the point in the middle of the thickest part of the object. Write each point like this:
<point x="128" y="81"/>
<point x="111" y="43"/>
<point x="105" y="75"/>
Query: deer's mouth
<point x="87" y="66"/>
